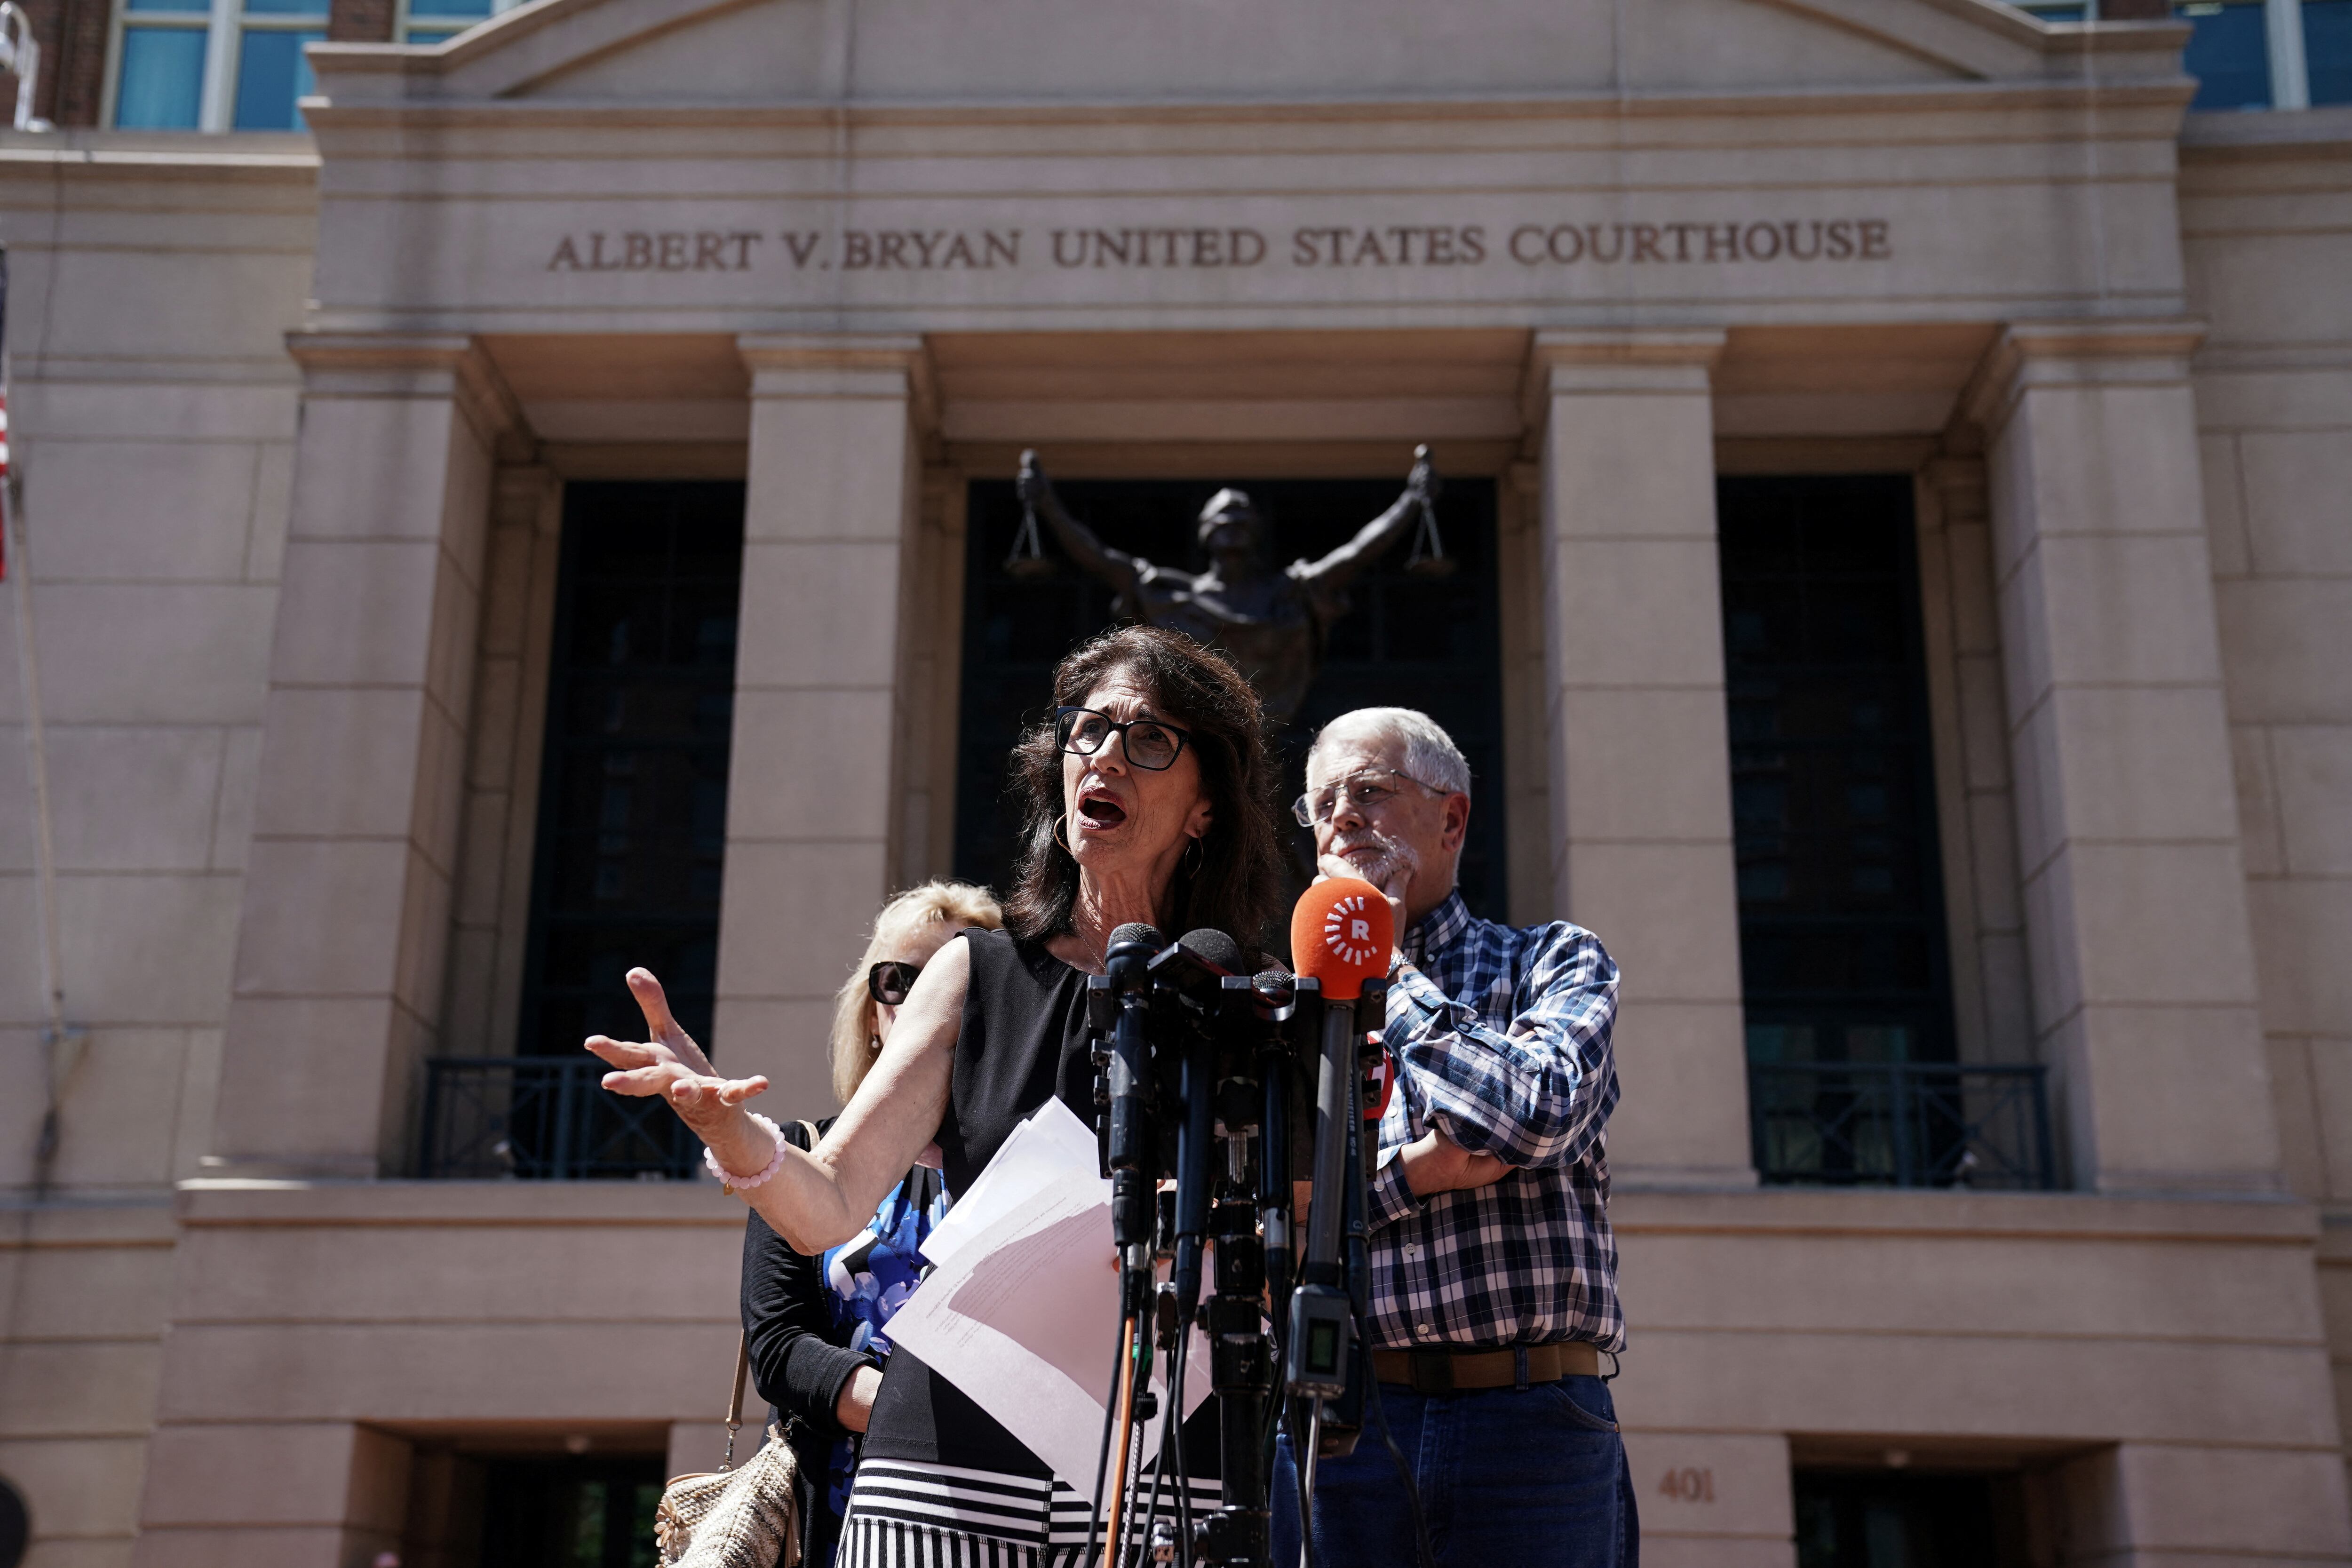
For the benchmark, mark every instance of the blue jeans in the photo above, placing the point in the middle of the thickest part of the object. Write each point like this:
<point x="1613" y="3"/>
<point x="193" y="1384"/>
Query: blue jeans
<point x="1532" y="1477"/>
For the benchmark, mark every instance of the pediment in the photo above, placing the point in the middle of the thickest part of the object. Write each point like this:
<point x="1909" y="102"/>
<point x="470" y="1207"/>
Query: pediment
<point x="1194" y="51"/>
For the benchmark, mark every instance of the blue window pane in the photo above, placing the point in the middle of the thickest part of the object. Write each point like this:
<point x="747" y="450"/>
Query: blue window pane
<point x="2327" y="49"/>
<point x="271" y="75"/>
<point x="182" y="6"/>
<point x="2229" y="54"/>
<point x="2061" y="13"/>
<point x="287" y="8"/>
<point x="475" y="9"/>
<point x="162" y="79"/>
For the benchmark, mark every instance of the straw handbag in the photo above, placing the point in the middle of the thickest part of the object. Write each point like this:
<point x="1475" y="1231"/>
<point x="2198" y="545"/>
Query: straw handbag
<point x="727" y="1517"/>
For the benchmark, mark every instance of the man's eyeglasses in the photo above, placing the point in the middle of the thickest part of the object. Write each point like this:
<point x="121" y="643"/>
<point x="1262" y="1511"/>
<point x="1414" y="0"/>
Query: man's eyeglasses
<point x="1365" y="791"/>
<point x="1149" y="745"/>
<point x="890" y="980"/>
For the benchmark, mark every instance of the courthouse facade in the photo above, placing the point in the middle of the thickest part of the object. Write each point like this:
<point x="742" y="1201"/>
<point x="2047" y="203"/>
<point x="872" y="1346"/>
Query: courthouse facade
<point x="551" y="513"/>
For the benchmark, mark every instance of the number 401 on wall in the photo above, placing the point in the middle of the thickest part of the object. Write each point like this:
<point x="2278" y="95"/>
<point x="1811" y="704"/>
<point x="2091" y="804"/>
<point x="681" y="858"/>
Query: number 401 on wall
<point x="1689" y="1485"/>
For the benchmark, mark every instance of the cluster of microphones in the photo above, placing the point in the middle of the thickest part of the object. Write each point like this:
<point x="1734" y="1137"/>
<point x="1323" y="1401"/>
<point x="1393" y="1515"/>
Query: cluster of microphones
<point x="1204" y="1065"/>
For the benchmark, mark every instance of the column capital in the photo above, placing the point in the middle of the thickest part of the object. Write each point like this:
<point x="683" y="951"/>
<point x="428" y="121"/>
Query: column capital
<point x="1618" y="360"/>
<point x="2152" y="352"/>
<point x="413" y="364"/>
<point x="1961" y="483"/>
<point x="832" y="365"/>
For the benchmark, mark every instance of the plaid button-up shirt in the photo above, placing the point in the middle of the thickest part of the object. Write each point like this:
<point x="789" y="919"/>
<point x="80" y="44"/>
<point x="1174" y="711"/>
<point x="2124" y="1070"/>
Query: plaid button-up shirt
<point x="1502" y="1041"/>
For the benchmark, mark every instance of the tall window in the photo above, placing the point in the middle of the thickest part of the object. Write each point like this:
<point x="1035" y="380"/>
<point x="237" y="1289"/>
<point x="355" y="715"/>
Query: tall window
<point x="437" y="21"/>
<point x="633" y="790"/>
<point x="238" y="65"/>
<point x="2327" y="49"/>
<point x="2250" y="54"/>
<point x="2229" y="53"/>
<point x="1842" y="935"/>
<point x="214" y="65"/>
<point x="2268" y="54"/>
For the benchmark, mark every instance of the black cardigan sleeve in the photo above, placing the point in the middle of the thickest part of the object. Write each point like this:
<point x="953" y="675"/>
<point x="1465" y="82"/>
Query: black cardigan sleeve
<point x="798" y="1361"/>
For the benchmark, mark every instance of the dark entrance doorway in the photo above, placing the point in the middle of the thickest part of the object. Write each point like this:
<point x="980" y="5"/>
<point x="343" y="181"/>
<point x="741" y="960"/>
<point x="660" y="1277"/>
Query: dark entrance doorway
<point x="1409" y="641"/>
<point x="1893" y="1519"/>
<point x="560" y="1512"/>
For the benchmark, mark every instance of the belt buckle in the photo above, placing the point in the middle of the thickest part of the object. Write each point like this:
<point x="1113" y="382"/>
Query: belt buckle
<point x="1432" y="1372"/>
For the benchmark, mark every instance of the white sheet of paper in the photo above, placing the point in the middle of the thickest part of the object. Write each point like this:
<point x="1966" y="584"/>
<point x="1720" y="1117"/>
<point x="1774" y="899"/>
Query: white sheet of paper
<point x="1023" y="1316"/>
<point x="1051" y="1149"/>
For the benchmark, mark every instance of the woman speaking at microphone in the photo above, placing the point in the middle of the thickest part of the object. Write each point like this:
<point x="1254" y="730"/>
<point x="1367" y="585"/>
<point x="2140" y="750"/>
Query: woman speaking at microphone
<point x="1148" y="797"/>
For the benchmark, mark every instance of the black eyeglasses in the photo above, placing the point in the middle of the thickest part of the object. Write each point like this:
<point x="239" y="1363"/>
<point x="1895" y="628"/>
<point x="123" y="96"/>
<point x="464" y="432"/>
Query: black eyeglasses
<point x="890" y="980"/>
<point x="1148" y="743"/>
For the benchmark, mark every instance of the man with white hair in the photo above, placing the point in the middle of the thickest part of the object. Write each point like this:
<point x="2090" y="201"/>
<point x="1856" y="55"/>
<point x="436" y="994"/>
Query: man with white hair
<point x="1494" y="1287"/>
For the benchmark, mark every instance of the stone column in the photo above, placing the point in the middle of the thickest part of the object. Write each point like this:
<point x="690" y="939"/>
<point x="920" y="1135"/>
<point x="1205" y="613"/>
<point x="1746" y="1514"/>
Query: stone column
<point x="2143" y="985"/>
<point x="1976" y="807"/>
<point x="829" y="522"/>
<point x="345" y="919"/>
<point x="1641" y="768"/>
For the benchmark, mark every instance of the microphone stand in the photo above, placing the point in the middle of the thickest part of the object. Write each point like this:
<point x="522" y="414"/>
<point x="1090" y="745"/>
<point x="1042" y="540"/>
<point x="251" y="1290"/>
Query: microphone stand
<point x="1240" y="1361"/>
<point x="1317" y="1354"/>
<point x="1324" y="1365"/>
<point x="1125" y="984"/>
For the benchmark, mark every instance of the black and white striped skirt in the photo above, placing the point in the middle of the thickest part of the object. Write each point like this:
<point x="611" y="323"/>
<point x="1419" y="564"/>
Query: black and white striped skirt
<point x="904" y="1513"/>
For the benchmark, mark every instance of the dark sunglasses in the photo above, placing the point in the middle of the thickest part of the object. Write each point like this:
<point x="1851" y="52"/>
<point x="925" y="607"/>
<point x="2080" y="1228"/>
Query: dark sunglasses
<point x="1149" y="745"/>
<point x="890" y="980"/>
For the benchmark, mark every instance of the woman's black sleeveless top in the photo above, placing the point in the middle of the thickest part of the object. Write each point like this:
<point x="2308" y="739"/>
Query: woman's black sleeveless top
<point x="1023" y="1041"/>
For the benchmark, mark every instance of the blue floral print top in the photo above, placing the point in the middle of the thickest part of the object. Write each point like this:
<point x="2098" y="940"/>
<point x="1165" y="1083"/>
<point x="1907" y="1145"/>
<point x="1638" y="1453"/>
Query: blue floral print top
<point x="870" y="1277"/>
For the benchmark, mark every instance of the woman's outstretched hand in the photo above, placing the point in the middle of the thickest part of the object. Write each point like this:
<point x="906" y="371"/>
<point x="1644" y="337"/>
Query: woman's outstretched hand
<point x="671" y="1065"/>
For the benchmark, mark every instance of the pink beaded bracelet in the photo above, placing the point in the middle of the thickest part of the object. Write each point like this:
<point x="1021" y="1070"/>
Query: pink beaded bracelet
<point x="733" y="1184"/>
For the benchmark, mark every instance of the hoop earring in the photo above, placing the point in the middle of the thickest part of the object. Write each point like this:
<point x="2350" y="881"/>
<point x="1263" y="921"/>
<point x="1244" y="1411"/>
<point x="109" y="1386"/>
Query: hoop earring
<point x="1196" y="856"/>
<point x="1062" y="834"/>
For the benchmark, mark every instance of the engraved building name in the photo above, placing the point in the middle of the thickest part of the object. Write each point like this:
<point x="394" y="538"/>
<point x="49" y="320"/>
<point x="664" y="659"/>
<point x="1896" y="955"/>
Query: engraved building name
<point x="1527" y="245"/>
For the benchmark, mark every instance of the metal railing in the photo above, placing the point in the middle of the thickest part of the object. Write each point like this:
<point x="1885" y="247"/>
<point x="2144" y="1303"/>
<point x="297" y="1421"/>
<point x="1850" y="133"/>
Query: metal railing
<point x="544" y="1118"/>
<point x="1902" y="1124"/>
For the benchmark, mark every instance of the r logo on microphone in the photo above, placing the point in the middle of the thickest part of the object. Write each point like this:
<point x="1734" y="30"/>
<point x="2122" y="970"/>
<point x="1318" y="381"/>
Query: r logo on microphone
<point x="1347" y="933"/>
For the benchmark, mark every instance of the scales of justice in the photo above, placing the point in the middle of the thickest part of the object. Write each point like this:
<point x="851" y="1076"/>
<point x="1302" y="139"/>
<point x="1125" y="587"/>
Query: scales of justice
<point x="1273" y="621"/>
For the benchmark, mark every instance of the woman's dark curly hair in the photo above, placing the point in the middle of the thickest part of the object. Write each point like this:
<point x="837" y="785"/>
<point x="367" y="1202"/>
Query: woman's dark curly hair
<point x="1236" y="887"/>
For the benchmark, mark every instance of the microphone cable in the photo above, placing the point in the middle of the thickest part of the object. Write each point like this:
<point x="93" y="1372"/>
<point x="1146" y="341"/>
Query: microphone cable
<point x="1102" y="1457"/>
<point x="1298" y="1475"/>
<point x="1171" y="1456"/>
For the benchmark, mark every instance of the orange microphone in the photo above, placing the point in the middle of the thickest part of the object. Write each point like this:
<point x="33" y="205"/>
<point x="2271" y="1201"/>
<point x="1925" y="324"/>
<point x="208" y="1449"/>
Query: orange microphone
<point x="1341" y="934"/>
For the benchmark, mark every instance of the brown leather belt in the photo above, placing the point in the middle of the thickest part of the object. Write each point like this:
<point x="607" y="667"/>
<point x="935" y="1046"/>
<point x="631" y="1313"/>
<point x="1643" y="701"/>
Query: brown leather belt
<point x="1451" y="1371"/>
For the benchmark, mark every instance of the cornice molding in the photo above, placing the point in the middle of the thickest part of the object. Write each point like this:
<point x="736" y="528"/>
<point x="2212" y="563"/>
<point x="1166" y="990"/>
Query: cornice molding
<point x="415" y="364"/>
<point x="380" y="101"/>
<point x="2029" y="354"/>
<point x="849" y="365"/>
<point x="1615" y="362"/>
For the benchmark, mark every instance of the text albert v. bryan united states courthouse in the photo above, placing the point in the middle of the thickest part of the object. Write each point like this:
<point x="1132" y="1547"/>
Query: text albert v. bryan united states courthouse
<point x="553" y="513"/>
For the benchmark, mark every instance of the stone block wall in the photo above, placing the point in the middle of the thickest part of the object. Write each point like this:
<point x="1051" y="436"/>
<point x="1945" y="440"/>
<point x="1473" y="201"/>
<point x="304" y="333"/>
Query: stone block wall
<point x="153" y="444"/>
<point x="2266" y="203"/>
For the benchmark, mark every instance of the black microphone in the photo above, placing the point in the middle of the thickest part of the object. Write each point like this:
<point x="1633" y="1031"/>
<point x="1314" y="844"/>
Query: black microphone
<point x="1127" y="966"/>
<point x="1216" y="955"/>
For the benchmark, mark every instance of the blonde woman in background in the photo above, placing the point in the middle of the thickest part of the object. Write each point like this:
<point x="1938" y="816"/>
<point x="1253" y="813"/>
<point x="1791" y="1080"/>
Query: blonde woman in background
<point x="817" y="1323"/>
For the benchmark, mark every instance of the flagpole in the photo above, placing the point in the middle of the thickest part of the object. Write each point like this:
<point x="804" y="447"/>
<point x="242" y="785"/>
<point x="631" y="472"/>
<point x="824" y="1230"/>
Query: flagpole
<point x="61" y="1042"/>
